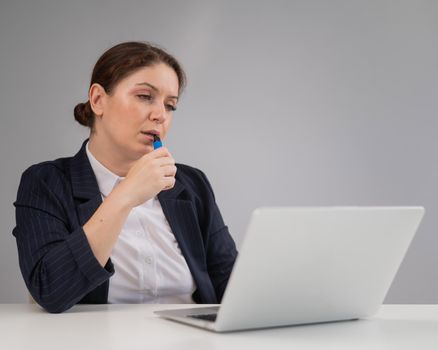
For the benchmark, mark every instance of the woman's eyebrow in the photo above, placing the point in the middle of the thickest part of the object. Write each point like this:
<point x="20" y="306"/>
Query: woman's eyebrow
<point x="155" y="88"/>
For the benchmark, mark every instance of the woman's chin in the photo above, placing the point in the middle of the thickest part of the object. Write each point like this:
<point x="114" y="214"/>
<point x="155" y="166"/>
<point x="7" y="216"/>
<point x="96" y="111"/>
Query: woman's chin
<point x="143" y="148"/>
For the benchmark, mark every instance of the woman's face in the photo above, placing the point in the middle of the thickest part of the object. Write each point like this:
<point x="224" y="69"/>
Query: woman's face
<point x="143" y="101"/>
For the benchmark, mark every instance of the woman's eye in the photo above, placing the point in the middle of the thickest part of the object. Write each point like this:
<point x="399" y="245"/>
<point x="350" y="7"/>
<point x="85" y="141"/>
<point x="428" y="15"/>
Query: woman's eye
<point x="149" y="98"/>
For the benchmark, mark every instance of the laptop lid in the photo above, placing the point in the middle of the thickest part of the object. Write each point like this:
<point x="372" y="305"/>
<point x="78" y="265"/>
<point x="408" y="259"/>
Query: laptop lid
<point x="305" y="265"/>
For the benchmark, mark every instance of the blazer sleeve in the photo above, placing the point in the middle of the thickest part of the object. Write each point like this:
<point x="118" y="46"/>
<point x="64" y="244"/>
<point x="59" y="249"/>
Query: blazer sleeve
<point x="221" y="251"/>
<point x="56" y="261"/>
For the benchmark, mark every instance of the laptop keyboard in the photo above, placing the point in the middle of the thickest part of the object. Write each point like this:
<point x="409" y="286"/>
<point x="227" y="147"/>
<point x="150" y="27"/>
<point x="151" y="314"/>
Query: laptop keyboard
<point x="205" y="317"/>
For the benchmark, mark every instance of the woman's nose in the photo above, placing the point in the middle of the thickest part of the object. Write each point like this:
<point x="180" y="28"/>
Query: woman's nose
<point x="158" y="113"/>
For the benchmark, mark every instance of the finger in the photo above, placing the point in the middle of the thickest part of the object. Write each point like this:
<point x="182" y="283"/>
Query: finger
<point x="164" y="161"/>
<point x="169" y="170"/>
<point x="169" y="183"/>
<point x="160" y="152"/>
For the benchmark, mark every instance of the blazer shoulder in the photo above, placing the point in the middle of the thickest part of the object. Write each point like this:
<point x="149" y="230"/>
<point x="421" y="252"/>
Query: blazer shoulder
<point x="194" y="179"/>
<point x="189" y="171"/>
<point x="52" y="175"/>
<point x="43" y="170"/>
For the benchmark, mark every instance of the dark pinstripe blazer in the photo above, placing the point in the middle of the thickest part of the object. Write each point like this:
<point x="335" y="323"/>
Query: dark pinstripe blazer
<point x="56" y="198"/>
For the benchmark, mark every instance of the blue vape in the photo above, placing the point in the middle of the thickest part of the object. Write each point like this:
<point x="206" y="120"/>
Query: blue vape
<point x="157" y="142"/>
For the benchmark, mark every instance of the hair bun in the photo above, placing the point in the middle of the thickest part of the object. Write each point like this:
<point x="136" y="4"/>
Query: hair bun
<point x="82" y="113"/>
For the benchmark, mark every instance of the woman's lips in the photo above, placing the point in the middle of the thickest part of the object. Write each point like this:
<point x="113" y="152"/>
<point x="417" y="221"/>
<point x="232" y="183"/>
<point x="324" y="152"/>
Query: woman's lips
<point x="148" y="137"/>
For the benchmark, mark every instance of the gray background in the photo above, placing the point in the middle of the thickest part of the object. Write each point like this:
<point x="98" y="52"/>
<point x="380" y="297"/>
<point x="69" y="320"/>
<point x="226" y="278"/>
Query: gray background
<point x="288" y="103"/>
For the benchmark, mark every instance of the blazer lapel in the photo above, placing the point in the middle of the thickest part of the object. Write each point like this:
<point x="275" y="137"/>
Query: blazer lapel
<point x="84" y="184"/>
<point x="182" y="218"/>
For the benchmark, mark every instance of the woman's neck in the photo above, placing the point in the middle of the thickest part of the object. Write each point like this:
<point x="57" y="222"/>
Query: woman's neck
<point x="109" y="155"/>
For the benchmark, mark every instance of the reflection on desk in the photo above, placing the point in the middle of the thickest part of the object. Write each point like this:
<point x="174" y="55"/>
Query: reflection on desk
<point x="25" y="326"/>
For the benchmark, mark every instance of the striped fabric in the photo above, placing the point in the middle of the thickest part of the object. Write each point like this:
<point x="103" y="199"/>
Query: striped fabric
<point x="56" y="198"/>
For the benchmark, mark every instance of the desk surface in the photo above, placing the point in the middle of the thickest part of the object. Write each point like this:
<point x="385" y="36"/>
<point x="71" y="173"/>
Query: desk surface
<point x="136" y="327"/>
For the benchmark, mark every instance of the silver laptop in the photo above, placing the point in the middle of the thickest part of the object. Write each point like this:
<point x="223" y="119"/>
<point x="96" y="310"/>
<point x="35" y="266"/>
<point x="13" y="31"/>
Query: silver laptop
<point x="310" y="265"/>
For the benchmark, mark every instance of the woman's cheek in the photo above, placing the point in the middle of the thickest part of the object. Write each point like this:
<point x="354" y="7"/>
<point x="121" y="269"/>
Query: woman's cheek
<point x="165" y="130"/>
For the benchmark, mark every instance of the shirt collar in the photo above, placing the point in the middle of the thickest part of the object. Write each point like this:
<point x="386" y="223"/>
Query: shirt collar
<point x="106" y="179"/>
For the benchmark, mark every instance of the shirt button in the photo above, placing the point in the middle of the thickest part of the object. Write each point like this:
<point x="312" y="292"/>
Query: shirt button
<point x="148" y="260"/>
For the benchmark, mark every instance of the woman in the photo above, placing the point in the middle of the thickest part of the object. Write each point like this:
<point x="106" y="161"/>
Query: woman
<point x="120" y="222"/>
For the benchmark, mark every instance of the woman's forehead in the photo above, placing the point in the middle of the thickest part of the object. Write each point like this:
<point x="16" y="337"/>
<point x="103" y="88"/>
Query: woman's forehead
<point x="159" y="76"/>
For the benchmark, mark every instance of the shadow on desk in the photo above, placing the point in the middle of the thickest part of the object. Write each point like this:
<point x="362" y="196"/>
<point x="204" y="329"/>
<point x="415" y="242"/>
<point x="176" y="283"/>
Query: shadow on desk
<point x="85" y="308"/>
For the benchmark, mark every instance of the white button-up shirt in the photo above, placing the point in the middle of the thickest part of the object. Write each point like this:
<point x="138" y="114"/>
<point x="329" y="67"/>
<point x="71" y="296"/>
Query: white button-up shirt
<point x="149" y="266"/>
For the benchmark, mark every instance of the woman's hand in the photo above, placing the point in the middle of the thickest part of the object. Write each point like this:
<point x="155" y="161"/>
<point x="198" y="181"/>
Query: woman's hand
<point x="151" y="174"/>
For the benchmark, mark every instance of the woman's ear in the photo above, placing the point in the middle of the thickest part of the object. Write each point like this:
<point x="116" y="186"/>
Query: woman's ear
<point x="96" y="96"/>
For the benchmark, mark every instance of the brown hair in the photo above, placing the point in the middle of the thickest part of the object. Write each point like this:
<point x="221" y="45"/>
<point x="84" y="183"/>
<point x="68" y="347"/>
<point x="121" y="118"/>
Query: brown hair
<point x="117" y="63"/>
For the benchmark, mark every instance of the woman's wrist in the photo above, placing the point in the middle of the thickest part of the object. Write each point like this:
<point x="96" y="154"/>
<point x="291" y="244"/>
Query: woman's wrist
<point x="119" y="196"/>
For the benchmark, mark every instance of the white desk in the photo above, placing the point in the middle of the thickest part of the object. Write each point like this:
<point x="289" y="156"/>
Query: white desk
<point x="136" y="327"/>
